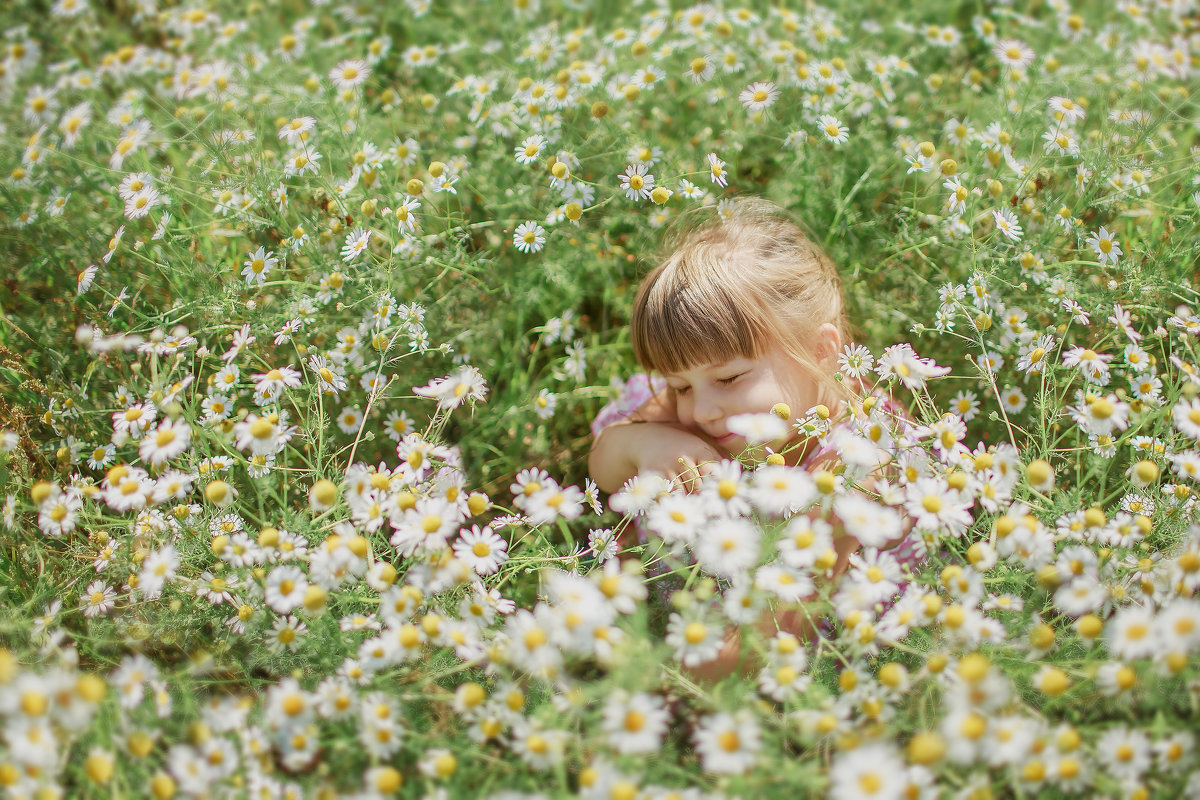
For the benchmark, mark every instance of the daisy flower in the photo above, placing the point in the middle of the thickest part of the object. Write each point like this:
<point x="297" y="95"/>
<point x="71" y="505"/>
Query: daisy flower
<point x="258" y="265"/>
<point x="97" y="599"/>
<point x="295" y="130"/>
<point x="285" y="588"/>
<point x="1092" y="366"/>
<point x="529" y="237"/>
<point x="169" y="441"/>
<point x="832" y="129"/>
<point x="349" y="74"/>
<point x="855" y="361"/>
<point x="695" y="640"/>
<point x="464" y="384"/>
<point x="716" y="168"/>
<point x="728" y="743"/>
<point x="270" y="384"/>
<point x="873" y="770"/>
<point x="1013" y="54"/>
<point x="635" y="723"/>
<point x="1007" y="224"/>
<point x="701" y="68"/>
<point x="483" y="549"/>
<point x="758" y="96"/>
<point x="636" y="182"/>
<point x="1105" y="246"/>
<point x="285" y="634"/>
<point x="349" y="420"/>
<point x="530" y="149"/>
<point x="356" y="244"/>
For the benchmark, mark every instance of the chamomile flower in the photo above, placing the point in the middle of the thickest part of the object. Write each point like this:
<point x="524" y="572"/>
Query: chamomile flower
<point x="637" y="182"/>
<point x="728" y="743"/>
<point x="482" y="549"/>
<point x="349" y="74"/>
<point x="758" y="96"/>
<point x="258" y="265"/>
<point x="357" y="242"/>
<point x="97" y="599"/>
<point x="529" y="237"/>
<point x="832" y="129"/>
<point x="1105" y="245"/>
<point x="716" y="170"/>
<point x="635" y="723"/>
<point x="1013" y="54"/>
<point x="1007" y="224"/>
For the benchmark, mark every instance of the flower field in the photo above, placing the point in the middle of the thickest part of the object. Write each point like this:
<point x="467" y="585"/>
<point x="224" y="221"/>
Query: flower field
<point x="308" y="307"/>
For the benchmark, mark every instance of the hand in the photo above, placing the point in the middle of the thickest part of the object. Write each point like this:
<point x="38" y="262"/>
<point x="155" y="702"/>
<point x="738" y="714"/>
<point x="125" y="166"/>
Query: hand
<point x="627" y="449"/>
<point x="680" y="455"/>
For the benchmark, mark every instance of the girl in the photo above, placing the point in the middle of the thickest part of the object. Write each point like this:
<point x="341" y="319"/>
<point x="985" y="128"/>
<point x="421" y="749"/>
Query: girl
<point x="745" y="313"/>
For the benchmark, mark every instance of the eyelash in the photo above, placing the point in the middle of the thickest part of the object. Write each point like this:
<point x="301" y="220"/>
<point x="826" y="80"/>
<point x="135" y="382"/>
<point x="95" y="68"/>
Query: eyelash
<point x="722" y="381"/>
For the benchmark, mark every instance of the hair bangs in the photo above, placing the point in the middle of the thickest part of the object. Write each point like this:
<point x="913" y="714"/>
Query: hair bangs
<point x="682" y="321"/>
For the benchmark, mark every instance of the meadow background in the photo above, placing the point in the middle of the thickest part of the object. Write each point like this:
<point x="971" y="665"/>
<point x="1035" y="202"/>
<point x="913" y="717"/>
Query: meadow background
<point x="308" y="307"/>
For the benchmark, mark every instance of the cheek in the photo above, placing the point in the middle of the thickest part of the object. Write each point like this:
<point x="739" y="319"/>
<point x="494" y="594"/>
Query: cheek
<point x="683" y="409"/>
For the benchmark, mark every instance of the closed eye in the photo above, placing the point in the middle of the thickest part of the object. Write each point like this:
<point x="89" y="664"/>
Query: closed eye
<point x="730" y="379"/>
<point x="681" y="390"/>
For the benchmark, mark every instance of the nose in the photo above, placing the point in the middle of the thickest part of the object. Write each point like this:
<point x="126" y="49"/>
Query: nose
<point x="707" y="410"/>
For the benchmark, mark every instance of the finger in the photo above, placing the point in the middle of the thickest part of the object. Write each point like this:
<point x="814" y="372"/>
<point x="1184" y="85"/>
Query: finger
<point x="687" y="477"/>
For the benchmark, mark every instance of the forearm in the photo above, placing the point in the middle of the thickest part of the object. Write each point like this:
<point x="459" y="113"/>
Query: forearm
<point x="609" y="462"/>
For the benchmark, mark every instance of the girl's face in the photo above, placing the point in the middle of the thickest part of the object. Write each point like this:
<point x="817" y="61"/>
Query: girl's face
<point x="706" y="396"/>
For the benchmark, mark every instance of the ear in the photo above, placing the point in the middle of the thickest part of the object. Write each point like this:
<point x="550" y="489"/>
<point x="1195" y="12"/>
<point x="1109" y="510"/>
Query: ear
<point x="828" y="344"/>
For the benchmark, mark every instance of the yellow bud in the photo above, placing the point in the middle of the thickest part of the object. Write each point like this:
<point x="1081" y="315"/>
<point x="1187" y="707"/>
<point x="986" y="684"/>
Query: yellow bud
<point x="660" y="195"/>
<point x="322" y="495"/>
<point x="314" y="597"/>
<point x="949" y="166"/>
<point x="40" y="491"/>
<point x="436" y="168"/>
<point x="415" y="186"/>
<point x="478" y="503"/>
<point x="893" y="674"/>
<point x="1145" y="472"/>
<point x="926" y="748"/>
<point x="1042" y="636"/>
<point x="91" y="688"/>
<point x="1053" y="682"/>
<point x="782" y="410"/>
<point x="574" y="211"/>
<point x="219" y="493"/>
<point x="974" y="667"/>
<point x="1089" y="626"/>
<point x="1040" y="475"/>
<point x="388" y="779"/>
<point x="99" y="767"/>
<point x="1048" y="577"/>
<point x="162" y="786"/>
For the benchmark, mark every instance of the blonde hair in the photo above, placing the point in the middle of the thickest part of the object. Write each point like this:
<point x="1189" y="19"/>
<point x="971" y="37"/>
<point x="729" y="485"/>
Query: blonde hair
<point x="732" y="284"/>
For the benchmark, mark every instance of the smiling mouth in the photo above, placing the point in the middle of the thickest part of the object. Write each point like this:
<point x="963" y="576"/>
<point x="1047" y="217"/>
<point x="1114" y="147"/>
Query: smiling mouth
<point x="726" y="439"/>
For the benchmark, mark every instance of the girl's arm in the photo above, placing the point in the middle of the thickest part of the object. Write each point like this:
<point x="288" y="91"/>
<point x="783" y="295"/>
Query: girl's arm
<point x="650" y="439"/>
